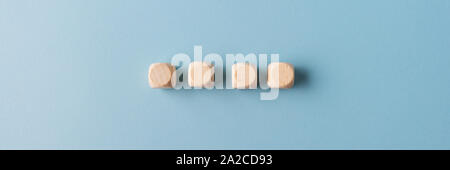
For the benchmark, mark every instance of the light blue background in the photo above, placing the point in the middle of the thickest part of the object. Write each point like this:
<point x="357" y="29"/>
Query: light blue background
<point x="73" y="74"/>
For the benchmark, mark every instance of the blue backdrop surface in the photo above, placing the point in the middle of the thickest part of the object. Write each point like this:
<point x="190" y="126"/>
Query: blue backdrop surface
<point x="73" y="74"/>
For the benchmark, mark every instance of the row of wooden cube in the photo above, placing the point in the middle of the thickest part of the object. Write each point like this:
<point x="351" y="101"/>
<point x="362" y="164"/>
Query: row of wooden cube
<point x="244" y="75"/>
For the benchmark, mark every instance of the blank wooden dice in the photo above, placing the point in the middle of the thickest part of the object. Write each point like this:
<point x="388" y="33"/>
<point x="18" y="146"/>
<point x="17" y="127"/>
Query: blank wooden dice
<point x="285" y="75"/>
<point x="244" y="76"/>
<point x="160" y="75"/>
<point x="201" y="74"/>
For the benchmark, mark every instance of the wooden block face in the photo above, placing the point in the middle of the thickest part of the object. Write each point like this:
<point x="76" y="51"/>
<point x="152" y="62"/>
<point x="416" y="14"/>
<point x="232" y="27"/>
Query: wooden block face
<point x="160" y="74"/>
<point x="201" y="74"/>
<point x="285" y="75"/>
<point x="244" y="76"/>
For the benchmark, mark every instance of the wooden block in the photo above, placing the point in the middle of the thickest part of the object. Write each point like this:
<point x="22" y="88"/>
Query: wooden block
<point x="285" y="75"/>
<point x="160" y="74"/>
<point x="201" y="74"/>
<point x="244" y="76"/>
